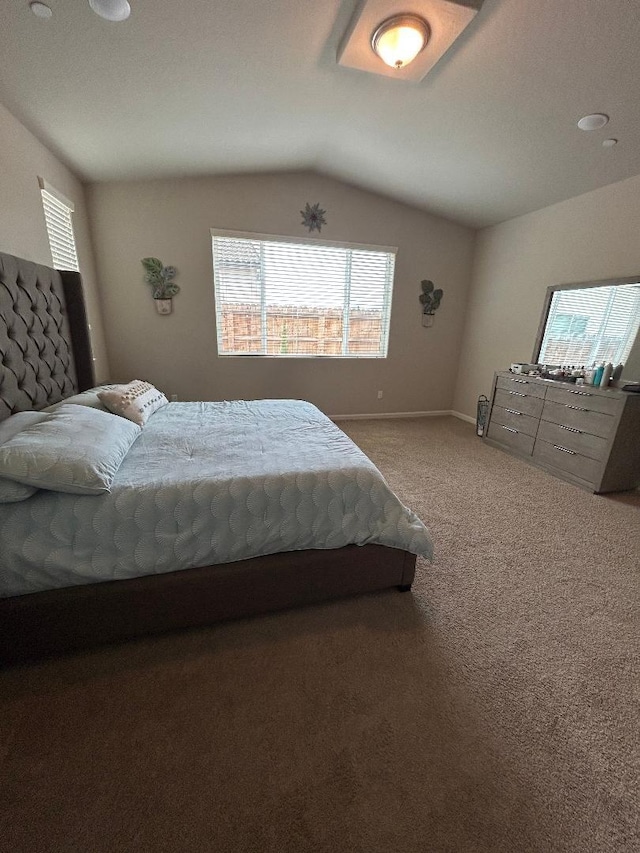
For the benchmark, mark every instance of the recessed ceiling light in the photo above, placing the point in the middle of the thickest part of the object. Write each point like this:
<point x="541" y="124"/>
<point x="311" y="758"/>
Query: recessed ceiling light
<point x="593" y="122"/>
<point x="111" y="10"/>
<point x="609" y="143"/>
<point x="41" y="10"/>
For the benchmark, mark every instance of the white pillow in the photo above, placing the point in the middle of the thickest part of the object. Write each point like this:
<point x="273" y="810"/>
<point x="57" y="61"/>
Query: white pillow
<point x="10" y="491"/>
<point x="135" y="401"/>
<point x="75" y="449"/>
<point x="84" y="398"/>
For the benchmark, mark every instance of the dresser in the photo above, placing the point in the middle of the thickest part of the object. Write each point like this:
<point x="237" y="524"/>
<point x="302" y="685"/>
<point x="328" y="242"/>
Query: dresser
<point x="589" y="436"/>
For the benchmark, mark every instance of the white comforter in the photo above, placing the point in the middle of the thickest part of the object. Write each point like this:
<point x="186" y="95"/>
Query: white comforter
<point x="208" y="483"/>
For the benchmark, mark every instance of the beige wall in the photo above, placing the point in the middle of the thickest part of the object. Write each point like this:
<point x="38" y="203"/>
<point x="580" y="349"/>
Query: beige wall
<point x="476" y="331"/>
<point x="171" y="219"/>
<point x="22" y="227"/>
<point x="594" y="236"/>
<point x="591" y="237"/>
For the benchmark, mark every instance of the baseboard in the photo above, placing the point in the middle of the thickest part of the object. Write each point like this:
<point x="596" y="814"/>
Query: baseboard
<point x="388" y="415"/>
<point x="462" y="417"/>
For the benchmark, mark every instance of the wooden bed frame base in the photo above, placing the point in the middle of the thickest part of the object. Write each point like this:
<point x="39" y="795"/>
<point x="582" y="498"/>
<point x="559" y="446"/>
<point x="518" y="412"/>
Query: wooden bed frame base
<point x="60" y="620"/>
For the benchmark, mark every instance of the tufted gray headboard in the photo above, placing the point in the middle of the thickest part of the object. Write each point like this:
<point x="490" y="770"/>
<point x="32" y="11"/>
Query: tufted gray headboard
<point x="45" y="350"/>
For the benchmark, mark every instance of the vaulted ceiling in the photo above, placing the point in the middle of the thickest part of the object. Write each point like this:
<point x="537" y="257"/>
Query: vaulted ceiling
<point x="212" y="86"/>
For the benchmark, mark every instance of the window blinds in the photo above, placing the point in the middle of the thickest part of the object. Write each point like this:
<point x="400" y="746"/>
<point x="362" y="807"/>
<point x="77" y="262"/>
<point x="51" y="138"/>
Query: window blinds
<point x="60" y="230"/>
<point x="301" y="298"/>
<point x="591" y="324"/>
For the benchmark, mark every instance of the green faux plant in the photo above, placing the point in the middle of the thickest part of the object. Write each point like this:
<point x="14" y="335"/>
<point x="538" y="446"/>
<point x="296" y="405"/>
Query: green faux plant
<point x="429" y="297"/>
<point x="160" y="278"/>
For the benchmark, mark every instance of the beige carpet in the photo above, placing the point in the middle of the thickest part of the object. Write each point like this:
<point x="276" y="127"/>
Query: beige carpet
<point x="494" y="708"/>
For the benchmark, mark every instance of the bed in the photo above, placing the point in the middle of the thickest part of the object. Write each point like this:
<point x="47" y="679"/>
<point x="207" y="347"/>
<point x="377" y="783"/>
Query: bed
<point x="218" y="510"/>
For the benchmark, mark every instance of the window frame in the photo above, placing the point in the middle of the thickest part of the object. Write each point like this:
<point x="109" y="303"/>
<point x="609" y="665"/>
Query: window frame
<point x="314" y="241"/>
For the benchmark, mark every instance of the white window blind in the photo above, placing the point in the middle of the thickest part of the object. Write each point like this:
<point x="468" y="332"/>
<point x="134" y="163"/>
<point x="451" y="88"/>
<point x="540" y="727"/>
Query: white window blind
<point x="591" y="324"/>
<point x="301" y="298"/>
<point x="57" y="215"/>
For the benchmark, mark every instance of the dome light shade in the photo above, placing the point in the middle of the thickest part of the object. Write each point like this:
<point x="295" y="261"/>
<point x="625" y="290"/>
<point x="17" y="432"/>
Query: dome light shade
<point x="398" y="40"/>
<point x="111" y="10"/>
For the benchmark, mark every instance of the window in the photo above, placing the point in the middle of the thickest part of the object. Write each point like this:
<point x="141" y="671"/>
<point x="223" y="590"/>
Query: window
<point x="591" y="324"/>
<point x="57" y="214"/>
<point x="301" y="298"/>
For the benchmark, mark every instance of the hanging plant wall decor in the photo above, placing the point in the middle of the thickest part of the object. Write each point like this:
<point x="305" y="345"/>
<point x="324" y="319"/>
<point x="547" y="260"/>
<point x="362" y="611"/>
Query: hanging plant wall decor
<point x="161" y="280"/>
<point x="430" y="299"/>
<point x="313" y="217"/>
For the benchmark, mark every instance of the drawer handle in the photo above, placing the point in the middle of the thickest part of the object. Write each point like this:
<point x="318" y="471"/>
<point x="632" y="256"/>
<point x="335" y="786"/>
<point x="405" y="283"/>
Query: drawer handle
<point x="578" y="408"/>
<point x="513" y="412"/>
<point x="509" y="429"/>
<point x="517" y="394"/>
<point x="521" y="381"/>
<point x="570" y="429"/>
<point x="582" y="393"/>
<point x="564" y="449"/>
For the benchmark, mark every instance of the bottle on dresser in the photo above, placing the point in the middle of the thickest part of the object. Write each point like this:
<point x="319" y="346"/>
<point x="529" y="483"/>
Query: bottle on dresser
<point x="606" y="375"/>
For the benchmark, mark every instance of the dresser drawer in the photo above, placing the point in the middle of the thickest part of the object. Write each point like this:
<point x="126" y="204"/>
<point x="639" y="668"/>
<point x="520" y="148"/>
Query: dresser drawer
<point x="581" y="442"/>
<point x="585" y="399"/>
<point x="519" y="401"/>
<point x="559" y="456"/>
<point x="513" y="418"/>
<point x="510" y="437"/>
<point x="579" y="417"/>
<point x="520" y="383"/>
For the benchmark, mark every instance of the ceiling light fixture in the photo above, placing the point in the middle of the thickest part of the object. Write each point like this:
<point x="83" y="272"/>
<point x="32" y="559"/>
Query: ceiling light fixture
<point x="378" y="28"/>
<point x="41" y="10"/>
<point x="609" y="143"/>
<point x="398" y="40"/>
<point x="111" y="10"/>
<point x="593" y="122"/>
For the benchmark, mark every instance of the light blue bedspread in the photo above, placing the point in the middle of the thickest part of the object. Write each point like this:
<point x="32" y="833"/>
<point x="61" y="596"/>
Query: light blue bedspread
<point x="208" y="483"/>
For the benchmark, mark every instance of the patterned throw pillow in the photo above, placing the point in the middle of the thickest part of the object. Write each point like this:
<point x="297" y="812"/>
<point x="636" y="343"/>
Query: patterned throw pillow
<point x="135" y="401"/>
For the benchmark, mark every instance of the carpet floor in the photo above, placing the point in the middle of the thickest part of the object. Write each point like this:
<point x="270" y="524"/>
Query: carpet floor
<point x="493" y="708"/>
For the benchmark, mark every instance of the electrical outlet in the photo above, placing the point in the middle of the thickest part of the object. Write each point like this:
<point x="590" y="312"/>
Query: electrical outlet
<point x="379" y="395"/>
<point x="174" y="398"/>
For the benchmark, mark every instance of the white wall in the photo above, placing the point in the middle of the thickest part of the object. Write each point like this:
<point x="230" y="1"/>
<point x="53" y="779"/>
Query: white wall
<point x="591" y="237"/>
<point x="171" y="219"/>
<point x="22" y="227"/>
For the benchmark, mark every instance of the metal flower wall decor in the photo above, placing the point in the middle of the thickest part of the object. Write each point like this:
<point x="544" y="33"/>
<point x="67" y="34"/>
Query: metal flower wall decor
<point x="313" y="217"/>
